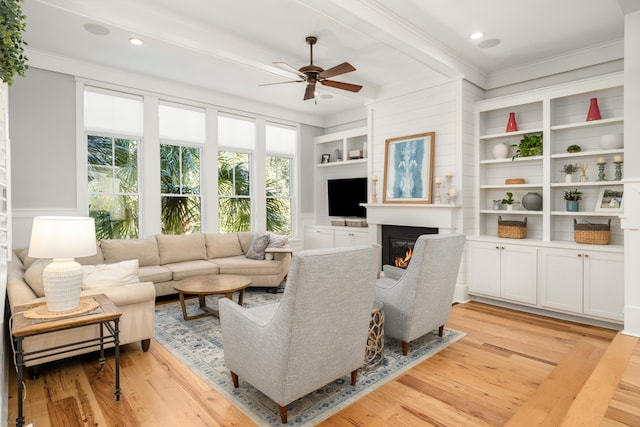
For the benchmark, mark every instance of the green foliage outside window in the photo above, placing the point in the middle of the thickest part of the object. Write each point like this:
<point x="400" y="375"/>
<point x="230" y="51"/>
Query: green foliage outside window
<point x="180" y="186"/>
<point x="12" y="25"/>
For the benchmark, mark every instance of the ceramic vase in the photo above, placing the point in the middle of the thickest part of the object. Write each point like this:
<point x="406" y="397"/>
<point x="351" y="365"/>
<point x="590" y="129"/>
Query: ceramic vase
<point x="572" y="205"/>
<point x="568" y="178"/>
<point x="511" y="124"/>
<point x="500" y="150"/>
<point x="594" y="110"/>
<point x="532" y="202"/>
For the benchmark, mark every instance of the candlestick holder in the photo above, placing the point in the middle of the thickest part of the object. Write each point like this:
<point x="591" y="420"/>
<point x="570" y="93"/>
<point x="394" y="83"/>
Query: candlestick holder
<point x="618" y="166"/>
<point x="448" y="177"/>
<point x="601" y="171"/>
<point x="438" y="200"/>
<point x="374" y="195"/>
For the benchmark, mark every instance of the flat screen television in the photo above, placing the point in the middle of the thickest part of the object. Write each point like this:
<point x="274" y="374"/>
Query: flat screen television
<point x="345" y="196"/>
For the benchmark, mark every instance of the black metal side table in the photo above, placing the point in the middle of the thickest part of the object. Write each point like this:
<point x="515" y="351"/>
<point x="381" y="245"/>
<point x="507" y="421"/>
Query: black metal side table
<point x="106" y="315"/>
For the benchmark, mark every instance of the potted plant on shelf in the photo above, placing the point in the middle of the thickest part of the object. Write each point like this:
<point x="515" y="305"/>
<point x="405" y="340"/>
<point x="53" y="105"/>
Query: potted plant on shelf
<point x="573" y="198"/>
<point x="509" y="201"/>
<point x="574" y="149"/>
<point x="530" y="145"/>
<point x="569" y="169"/>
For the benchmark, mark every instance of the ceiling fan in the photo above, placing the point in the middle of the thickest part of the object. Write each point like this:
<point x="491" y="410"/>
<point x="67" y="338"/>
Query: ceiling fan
<point x="312" y="74"/>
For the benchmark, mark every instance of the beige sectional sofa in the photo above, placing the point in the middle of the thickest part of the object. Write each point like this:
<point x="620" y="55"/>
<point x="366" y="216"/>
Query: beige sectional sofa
<point x="162" y="260"/>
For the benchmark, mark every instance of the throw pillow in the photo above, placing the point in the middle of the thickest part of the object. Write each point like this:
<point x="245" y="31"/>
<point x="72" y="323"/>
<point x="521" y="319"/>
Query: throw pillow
<point x="277" y="240"/>
<point x="116" y="274"/>
<point x="258" y="245"/>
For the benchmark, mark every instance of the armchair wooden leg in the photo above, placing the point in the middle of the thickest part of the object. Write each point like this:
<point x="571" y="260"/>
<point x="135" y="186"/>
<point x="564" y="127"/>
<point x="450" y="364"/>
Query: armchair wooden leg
<point x="283" y="414"/>
<point x="234" y="378"/>
<point x="441" y="330"/>
<point x="405" y="348"/>
<point x="145" y="344"/>
<point x="354" y="377"/>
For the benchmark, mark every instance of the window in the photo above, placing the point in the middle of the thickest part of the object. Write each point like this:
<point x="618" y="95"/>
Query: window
<point x="235" y="135"/>
<point x="113" y="186"/>
<point x="113" y="123"/>
<point x="281" y="149"/>
<point x="180" y="168"/>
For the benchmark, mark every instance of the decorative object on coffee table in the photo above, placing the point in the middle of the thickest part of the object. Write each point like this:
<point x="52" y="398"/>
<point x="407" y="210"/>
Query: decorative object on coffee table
<point x="62" y="238"/>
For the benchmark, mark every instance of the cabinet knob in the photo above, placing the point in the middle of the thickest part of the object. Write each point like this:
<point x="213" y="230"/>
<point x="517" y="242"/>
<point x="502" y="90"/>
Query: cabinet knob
<point x="498" y="247"/>
<point x="502" y="247"/>
<point x="586" y="255"/>
<point x="350" y="234"/>
<point x="579" y="255"/>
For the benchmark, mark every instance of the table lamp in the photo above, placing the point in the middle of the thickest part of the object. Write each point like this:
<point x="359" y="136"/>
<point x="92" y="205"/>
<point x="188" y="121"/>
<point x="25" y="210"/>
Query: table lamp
<point x="62" y="238"/>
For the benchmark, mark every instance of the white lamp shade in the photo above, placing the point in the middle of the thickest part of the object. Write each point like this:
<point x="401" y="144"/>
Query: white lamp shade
<point x="62" y="237"/>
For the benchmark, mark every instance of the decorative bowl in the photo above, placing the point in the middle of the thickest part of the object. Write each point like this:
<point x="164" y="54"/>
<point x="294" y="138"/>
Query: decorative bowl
<point x="611" y="141"/>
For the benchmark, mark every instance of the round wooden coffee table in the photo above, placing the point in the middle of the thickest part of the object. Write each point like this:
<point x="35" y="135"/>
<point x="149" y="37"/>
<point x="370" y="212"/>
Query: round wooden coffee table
<point x="213" y="284"/>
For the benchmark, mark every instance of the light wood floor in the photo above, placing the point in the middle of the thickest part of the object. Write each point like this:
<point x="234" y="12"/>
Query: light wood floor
<point x="511" y="369"/>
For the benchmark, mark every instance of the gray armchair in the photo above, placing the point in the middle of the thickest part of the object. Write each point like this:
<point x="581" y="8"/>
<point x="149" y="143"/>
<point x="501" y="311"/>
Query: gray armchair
<point x="314" y="335"/>
<point x="419" y="299"/>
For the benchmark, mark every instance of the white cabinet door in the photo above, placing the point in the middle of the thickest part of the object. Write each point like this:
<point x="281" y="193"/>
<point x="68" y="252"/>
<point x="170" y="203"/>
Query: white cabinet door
<point x="350" y="238"/>
<point x="518" y="266"/>
<point x="604" y="284"/>
<point x="561" y="280"/>
<point x="317" y="238"/>
<point x="483" y="268"/>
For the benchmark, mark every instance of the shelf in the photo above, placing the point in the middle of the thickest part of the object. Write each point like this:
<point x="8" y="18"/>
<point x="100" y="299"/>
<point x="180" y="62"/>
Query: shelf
<point x="585" y="184"/>
<point x="583" y="213"/>
<point x="509" y="160"/>
<point x="509" y="134"/>
<point x="341" y="163"/>
<point x="592" y="123"/>
<point x="588" y="153"/>
<point x="508" y="186"/>
<point x="501" y="212"/>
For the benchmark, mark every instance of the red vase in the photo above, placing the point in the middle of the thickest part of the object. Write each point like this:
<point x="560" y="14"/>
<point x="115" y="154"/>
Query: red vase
<point x="594" y="111"/>
<point x="511" y="124"/>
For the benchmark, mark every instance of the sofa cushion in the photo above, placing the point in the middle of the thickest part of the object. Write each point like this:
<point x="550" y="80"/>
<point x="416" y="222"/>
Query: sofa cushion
<point x="106" y="275"/>
<point x="179" y="248"/>
<point x="155" y="274"/>
<point x="182" y="270"/>
<point x="277" y="240"/>
<point x="33" y="275"/>
<point x="258" y="245"/>
<point x="245" y="238"/>
<point x="222" y="245"/>
<point x="244" y="266"/>
<point x="144" y="250"/>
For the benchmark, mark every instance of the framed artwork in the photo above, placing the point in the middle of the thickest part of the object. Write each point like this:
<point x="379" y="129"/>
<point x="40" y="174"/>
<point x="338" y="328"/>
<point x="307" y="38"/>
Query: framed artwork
<point x="325" y="158"/>
<point x="408" y="169"/>
<point x="610" y="199"/>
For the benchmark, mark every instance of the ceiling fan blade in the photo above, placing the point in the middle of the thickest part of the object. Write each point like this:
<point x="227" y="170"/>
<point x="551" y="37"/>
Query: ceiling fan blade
<point x="288" y="67"/>
<point x="343" y="68"/>
<point x="310" y="92"/>
<point x="280" y="83"/>
<point x="342" y="85"/>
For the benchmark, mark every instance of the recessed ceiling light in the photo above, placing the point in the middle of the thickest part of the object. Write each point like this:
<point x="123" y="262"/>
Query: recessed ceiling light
<point x="489" y="43"/>
<point x="476" y="36"/>
<point x="96" y="29"/>
<point x="136" y="41"/>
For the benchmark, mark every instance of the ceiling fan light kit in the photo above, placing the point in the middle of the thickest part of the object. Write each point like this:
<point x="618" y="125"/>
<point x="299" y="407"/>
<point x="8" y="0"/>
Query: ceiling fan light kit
<point x="312" y="74"/>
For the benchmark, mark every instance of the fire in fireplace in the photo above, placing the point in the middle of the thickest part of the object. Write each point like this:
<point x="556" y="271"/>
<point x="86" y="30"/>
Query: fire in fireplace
<point x="398" y="242"/>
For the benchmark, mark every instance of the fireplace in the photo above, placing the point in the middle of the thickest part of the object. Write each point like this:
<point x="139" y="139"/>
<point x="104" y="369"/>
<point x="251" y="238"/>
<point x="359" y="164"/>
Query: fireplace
<point x="398" y="241"/>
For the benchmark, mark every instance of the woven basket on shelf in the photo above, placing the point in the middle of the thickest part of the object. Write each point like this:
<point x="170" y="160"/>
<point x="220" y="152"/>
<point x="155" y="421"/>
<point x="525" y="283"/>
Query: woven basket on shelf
<point x="512" y="229"/>
<point x="593" y="234"/>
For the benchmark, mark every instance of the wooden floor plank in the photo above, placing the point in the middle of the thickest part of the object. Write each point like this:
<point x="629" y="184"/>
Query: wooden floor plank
<point x="507" y="359"/>
<point x="593" y="400"/>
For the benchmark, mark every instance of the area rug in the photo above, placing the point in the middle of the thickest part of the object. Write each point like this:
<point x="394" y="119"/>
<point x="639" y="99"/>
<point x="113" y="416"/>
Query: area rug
<point x="198" y="344"/>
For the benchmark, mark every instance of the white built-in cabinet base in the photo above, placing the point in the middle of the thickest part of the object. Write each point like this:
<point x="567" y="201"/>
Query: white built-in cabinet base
<point x="581" y="280"/>
<point x="317" y="237"/>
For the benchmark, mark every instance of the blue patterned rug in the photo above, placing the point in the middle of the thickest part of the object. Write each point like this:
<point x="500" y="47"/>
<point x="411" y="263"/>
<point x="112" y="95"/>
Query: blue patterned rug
<point x="198" y="344"/>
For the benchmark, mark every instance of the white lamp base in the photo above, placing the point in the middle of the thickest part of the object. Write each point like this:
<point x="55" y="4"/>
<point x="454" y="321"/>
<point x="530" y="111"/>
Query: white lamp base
<point x="62" y="284"/>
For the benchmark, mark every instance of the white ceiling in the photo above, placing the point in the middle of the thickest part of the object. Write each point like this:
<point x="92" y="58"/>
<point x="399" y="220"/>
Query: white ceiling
<point x="229" y="46"/>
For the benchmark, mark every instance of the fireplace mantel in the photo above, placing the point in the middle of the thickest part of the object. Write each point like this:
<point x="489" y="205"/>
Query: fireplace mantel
<point x="441" y="216"/>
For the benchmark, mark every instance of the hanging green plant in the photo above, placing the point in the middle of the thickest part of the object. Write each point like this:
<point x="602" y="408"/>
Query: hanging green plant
<point x="12" y="25"/>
